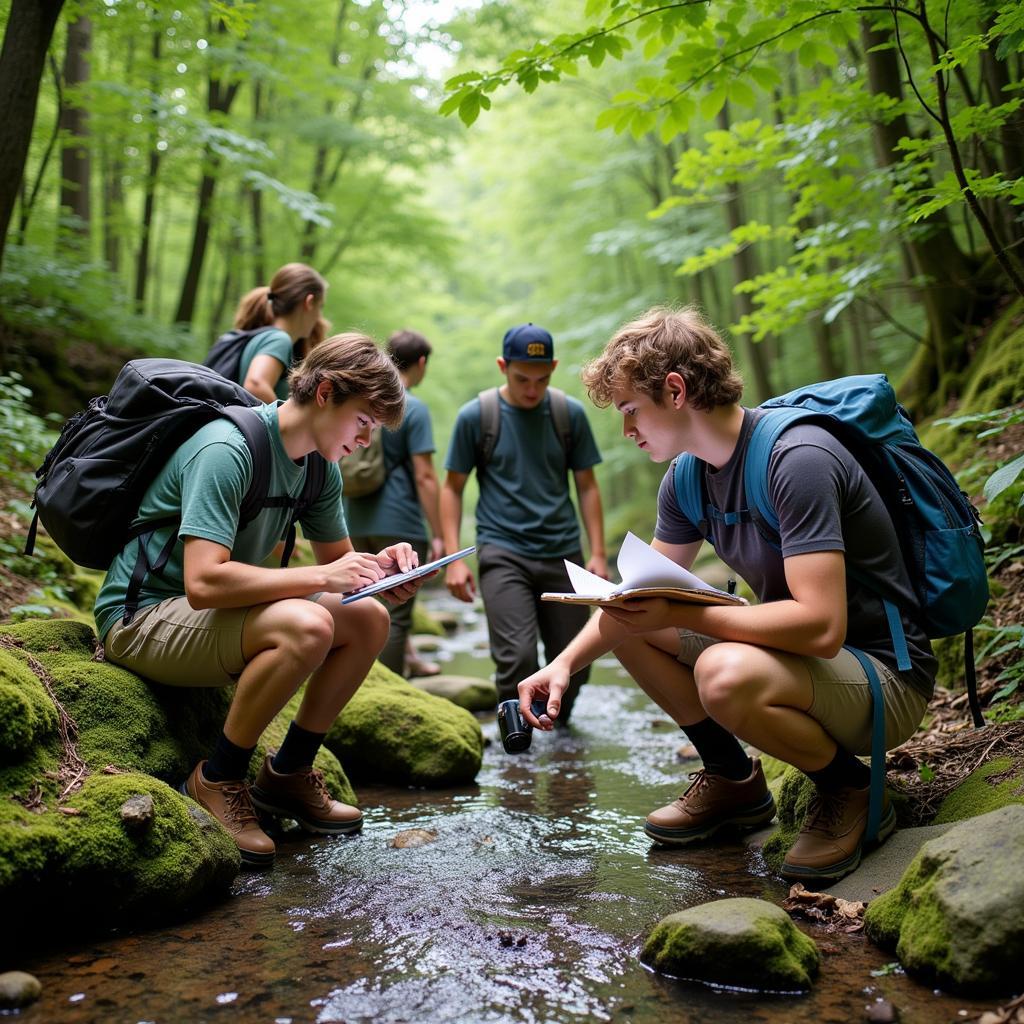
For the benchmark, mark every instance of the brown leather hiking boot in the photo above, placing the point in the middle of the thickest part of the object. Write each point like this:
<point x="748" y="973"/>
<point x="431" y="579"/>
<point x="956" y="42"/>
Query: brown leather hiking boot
<point x="303" y="795"/>
<point x="230" y="803"/>
<point x="713" y="802"/>
<point x="830" y="842"/>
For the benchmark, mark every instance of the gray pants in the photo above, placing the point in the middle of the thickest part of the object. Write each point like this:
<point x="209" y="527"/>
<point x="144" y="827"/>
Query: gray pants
<point x="393" y="655"/>
<point x="511" y="585"/>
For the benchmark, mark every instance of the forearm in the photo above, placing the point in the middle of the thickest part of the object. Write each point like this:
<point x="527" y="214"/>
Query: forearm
<point x="451" y="518"/>
<point x="428" y="491"/>
<point x="784" y="625"/>
<point x="592" y="514"/>
<point x="233" y="584"/>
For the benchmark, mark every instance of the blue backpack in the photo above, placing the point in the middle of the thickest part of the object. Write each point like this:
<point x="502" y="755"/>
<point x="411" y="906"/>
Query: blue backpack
<point x="937" y="526"/>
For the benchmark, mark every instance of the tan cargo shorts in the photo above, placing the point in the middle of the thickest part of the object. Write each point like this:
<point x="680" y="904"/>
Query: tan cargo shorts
<point x="173" y="644"/>
<point x="842" y="696"/>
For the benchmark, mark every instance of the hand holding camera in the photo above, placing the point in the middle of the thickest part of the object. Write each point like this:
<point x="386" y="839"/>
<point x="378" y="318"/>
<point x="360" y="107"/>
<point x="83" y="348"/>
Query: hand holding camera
<point x="516" y="732"/>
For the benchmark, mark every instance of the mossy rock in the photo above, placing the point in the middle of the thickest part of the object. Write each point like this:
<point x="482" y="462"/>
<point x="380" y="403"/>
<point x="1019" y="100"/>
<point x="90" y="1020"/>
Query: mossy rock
<point x="955" y="917"/>
<point x="424" y="623"/>
<point x="737" y="942"/>
<point x="949" y="654"/>
<point x="27" y="715"/>
<point x="86" y="869"/>
<point x="390" y="731"/>
<point x="465" y="691"/>
<point x="976" y="795"/>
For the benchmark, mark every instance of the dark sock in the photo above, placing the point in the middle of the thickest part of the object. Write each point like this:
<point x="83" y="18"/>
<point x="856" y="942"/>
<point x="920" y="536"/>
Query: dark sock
<point x="227" y="762"/>
<point x="298" y="750"/>
<point x="842" y="771"/>
<point x="719" y="750"/>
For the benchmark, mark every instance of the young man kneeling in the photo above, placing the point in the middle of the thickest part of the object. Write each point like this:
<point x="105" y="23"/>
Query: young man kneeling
<point x="215" y="617"/>
<point x="776" y="674"/>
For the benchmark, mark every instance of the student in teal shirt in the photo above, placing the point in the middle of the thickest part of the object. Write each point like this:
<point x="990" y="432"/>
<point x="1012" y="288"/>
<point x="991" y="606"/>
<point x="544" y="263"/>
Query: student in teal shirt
<point x="215" y="616"/>
<point x="289" y="310"/>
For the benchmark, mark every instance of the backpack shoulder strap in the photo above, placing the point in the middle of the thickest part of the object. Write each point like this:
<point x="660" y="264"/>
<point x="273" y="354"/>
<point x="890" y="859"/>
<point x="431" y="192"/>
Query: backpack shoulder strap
<point x="765" y="433"/>
<point x="688" y="480"/>
<point x="490" y="426"/>
<point x="312" y="487"/>
<point x="561" y="421"/>
<point x="255" y="433"/>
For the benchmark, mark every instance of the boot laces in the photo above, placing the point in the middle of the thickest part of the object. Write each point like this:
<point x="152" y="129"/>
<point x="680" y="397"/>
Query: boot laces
<point x="314" y="778"/>
<point x="699" y="782"/>
<point x="826" y="811"/>
<point x="240" y="810"/>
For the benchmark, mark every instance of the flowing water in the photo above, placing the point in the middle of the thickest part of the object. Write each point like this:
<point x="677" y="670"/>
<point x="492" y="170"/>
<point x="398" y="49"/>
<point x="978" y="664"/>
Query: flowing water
<point x="530" y="905"/>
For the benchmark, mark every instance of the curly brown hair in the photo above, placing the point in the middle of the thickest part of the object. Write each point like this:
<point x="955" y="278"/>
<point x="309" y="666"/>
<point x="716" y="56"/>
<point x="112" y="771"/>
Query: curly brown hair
<point x="356" y="368"/>
<point x="662" y="341"/>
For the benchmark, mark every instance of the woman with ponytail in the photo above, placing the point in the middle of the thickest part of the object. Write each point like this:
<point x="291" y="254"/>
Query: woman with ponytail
<point x="289" y="309"/>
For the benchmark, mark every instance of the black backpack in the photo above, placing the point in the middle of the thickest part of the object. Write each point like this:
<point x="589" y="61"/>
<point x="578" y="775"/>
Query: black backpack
<point x="92" y="481"/>
<point x="490" y="424"/>
<point x="226" y="354"/>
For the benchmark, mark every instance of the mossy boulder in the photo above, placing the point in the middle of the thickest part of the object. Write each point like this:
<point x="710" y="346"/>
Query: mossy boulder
<point x="993" y="785"/>
<point x="425" y="624"/>
<point x="27" y="715"/>
<point x="738" y="942"/>
<point x="955" y="918"/>
<point x="465" y="691"/>
<point x="391" y="731"/>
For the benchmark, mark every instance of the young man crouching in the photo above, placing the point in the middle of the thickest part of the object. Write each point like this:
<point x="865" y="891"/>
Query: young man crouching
<point x="776" y="674"/>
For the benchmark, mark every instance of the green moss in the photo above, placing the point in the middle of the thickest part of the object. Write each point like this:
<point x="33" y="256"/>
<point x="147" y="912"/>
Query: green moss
<point x="793" y="797"/>
<point x="27" y="714"/>
<point x="949" y="652"/>
<point x="424" y="623"/>
<point x="54" y="635"/>
<point x="976" y="795"/>
<point x="393" y="732"/>
<point x="743" y="942"/>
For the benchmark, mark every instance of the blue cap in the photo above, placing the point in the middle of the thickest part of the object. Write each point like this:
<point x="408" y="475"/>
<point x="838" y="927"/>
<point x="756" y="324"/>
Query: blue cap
<point x="528" y="342"/>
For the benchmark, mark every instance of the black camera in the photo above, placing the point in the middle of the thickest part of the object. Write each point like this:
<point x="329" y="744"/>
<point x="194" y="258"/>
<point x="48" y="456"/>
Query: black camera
<point x="516" y="731"/>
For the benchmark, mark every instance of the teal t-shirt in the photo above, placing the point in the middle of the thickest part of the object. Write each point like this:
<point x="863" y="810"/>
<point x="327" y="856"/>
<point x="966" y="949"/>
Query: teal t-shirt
<point x="204" y="482"/>
<point x="524" y="503"/>
<point x="394" y="510"/>
<point x="271" y="342"/>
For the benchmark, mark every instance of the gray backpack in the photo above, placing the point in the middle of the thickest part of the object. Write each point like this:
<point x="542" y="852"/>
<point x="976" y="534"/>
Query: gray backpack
<point x="490" y="425"/>
<point x="364" y="471"/>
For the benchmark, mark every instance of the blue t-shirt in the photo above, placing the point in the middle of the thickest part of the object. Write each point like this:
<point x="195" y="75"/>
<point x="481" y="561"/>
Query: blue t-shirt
<point x="394" y="510"/>
<point x="203" y="483"/>
<point x="524" y="503"/>
<point x="275" y="343"/>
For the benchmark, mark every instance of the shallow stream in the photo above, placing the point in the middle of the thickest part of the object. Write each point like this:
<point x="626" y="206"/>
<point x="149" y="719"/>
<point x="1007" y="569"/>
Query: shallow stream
<point x="530" y="905"/>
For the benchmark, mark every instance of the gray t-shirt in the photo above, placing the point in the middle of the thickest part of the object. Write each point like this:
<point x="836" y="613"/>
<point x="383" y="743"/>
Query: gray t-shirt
<point x="524" y="504"/>
<point x="824" y="502"/>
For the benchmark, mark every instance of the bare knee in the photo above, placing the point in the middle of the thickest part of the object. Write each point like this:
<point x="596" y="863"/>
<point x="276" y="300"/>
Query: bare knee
<point x="369" y="625"/>
<point x="724" y="683"/>
<point x="307" y="632"/>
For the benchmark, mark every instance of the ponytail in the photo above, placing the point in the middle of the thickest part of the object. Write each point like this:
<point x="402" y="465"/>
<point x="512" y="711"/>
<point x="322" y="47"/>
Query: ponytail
<point x="255" y="310"/>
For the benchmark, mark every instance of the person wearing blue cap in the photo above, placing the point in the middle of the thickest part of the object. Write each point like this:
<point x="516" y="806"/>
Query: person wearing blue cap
<point x="523" y="439"/>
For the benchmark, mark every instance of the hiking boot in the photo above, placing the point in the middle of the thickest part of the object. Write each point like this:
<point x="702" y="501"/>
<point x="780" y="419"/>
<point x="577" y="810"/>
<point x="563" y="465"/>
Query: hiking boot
<point x="830" y="842"/>
<point x="303" y="795"/>
<point x="230" y="803"/>
<point x="713" y="802"/>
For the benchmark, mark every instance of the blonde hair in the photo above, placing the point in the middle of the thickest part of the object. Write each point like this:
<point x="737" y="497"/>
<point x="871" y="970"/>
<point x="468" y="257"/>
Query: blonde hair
<point x="662" y="341"/>
<point x="288" y="288"/>
<point x="355" y="368"/>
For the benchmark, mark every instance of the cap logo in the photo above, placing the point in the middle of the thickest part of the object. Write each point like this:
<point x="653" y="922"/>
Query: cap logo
<point x="536" y="348"/>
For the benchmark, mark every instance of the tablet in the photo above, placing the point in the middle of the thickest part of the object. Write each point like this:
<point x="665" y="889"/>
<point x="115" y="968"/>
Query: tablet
<point x="403" y="577"/>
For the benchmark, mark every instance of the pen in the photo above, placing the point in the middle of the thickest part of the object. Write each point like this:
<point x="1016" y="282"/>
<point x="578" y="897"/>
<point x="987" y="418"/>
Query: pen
<point x="731" y="586"/>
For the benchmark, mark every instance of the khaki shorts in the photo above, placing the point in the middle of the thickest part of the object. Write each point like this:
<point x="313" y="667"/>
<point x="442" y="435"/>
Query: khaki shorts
<point x="842" y="696"/>
<point x="173" y="644"/>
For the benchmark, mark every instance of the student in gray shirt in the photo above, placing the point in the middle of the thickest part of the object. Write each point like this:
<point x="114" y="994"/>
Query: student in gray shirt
<point x="525" y="521"/>
<point x="775" y="674"/>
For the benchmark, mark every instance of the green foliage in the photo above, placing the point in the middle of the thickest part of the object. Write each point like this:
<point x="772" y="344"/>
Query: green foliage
<point x="24" y="437"/>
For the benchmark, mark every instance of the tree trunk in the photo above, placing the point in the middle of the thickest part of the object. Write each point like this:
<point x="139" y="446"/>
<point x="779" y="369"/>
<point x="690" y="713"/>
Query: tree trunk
<point x="744" y="267"/>
<point x="309" y="229"/>
<point x="75" y="159"/>
<point x="113" y="205"/>
<point x="949" y="292"/>
<point x="220" y="99"/>
<point x="149" y="190"/>
<point x="30" y="27"/>
<point x="259" y="254"/>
